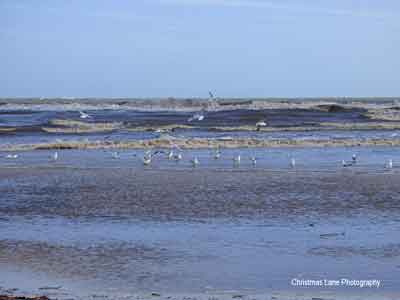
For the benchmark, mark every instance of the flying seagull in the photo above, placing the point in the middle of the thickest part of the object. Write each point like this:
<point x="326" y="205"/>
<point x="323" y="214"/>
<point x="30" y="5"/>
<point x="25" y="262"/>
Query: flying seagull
<point x="84" y="115"/>
<point x="260" y="124"/>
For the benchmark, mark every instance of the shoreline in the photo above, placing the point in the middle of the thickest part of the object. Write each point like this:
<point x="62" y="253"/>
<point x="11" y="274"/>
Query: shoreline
<point x="198" y="143"/>
<point x="299" y="294"/>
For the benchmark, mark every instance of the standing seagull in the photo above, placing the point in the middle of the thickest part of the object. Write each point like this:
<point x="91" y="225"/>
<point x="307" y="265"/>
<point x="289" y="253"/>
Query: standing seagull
<point x="171" y="154"/>
<point x="55" y="156"/>
<point x="253" y="160"/>
<point x="195" y="161"/>
<point x="346" y="163"/>
<point x="354" y="158"/>
<point x="146" y="160"/>
<point x="178" y="157"/>
<point x="115" y="155"/>
<point x="217" y="154"/>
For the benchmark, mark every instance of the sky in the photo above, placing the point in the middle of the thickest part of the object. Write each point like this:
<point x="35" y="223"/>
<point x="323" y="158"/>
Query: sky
<point x="184" y="48"/>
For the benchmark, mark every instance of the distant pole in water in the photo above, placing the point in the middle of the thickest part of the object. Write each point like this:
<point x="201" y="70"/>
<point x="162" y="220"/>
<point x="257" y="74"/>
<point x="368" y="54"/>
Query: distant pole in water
<point x="292" y="163"/>
<point x="236" y="160"/>
<point x="389" y="164"/>
<point x="195" y="161"/>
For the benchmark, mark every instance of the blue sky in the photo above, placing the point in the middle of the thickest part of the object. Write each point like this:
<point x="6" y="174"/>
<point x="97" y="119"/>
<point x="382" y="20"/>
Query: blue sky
<point x="183" y="48"/>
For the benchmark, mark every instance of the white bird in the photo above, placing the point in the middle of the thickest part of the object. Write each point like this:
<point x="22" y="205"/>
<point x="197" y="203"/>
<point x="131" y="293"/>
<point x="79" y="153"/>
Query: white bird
<point x="196" y="117"/>
<point x="84" y="115"/>
<point x="354" y="158"/>
<point x="178" y="157"/>
<point x="217" y="154"/>
<point x="346" y="164"/>
<point x="115" y="155"/>
<point x="146" y="160"/>
<point x="389" y="164"/>
<point x="253" y="160"/>
<point x="236" y="159"/>
<point x="55" y="156"/>
<point x="171" y="154"/>
<point x="292" y="163"/>
<point x="12" y="156"/>
<point x="260" y="124"/>
<point x="195" y="161"/>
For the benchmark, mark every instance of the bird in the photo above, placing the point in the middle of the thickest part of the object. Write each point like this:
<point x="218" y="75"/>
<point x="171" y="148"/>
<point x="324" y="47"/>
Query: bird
<point x="346" y="163"/>
<point x="389" y="164"/>
<point x="236" y="159"/>
<point x="55" y="156"/>
<point x="354" y="158"/>
<point x="171" y="154"/>
<point x="178" y="157"/>
<point x="292" y="163"/>
<point x="260" y="124"/>
<point x="115" y="155"/>
<point x="84" y="115"/>
<point x="217" y="154"/>
<point x="146" y="160"/>
<point x="196" y="117"/>
<point x="12" y="156"/>
<point x="195" y="161"/>
<point x="253" y="160"/>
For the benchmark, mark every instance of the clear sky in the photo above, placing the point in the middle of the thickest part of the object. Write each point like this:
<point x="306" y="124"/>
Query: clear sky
<point x="184" y="48"/>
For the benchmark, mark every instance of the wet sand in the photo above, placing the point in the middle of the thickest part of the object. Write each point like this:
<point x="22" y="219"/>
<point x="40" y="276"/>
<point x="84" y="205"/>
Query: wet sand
<point x="89" y="226"/>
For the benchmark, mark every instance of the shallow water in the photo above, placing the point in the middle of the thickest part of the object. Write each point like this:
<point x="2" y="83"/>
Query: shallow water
<point x="95" y="224"/>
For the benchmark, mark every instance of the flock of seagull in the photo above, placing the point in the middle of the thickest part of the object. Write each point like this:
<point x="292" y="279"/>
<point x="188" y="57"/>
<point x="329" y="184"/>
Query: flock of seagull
<point x="176" y="155"/>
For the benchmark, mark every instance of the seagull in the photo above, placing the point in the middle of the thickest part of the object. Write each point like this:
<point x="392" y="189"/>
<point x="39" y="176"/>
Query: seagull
<point x="195" y="161"/>
<point x="389" y="164"/>
<point x="253" y="160"/>
<point x="260" y="124"/>
<point x="354" y="158"/>
<point x="146" y="160"/>
<point x="178" y="157"/>
<point x="171" y="154"/>
<point x="236" y="159"/>
<point x="115" y="155"/>
<point x="217" y="154"/>
<point x="292" y="163"/>
<point x="84" y="115"/>
<point x="55" y="156"/>
<point x="12" y="156"/>
<point x="196" y="117"/>
<point x="346" y="163"/>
